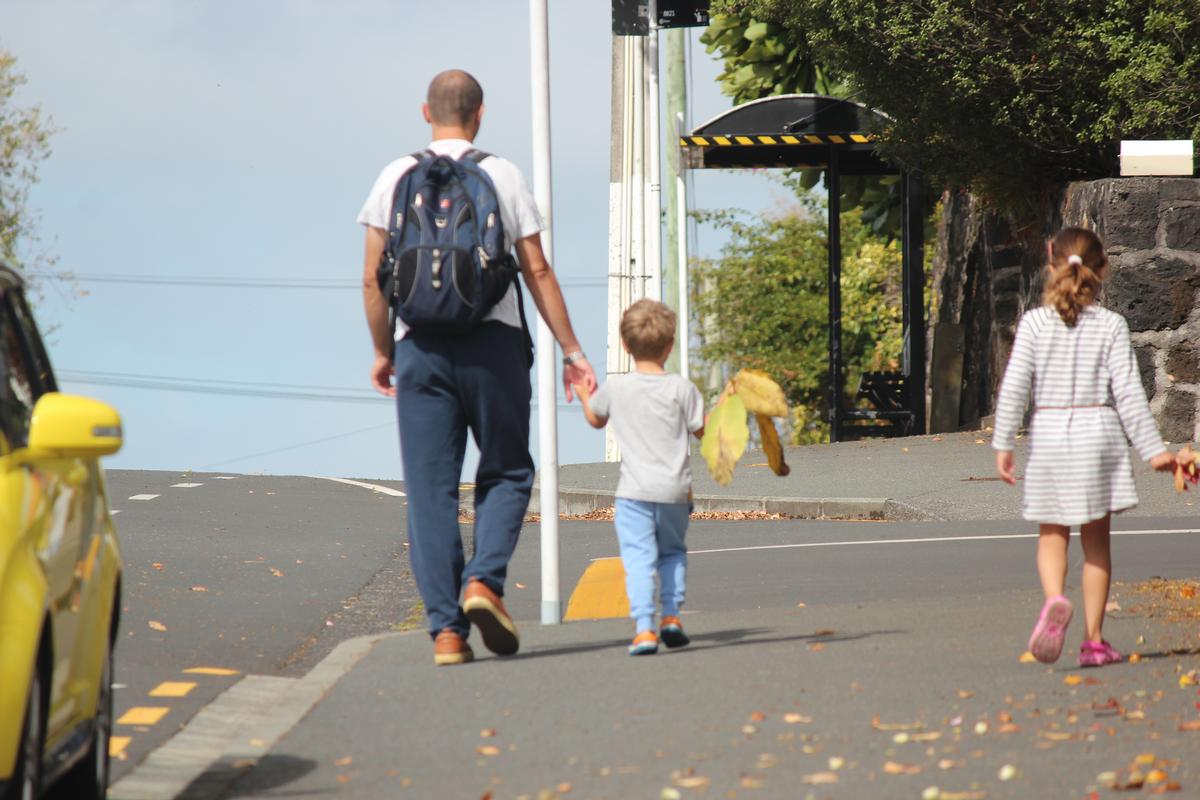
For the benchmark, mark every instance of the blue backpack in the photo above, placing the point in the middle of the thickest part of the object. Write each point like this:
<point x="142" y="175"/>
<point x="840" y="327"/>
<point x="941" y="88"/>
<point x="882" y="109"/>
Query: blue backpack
<point x="445" y="265"/>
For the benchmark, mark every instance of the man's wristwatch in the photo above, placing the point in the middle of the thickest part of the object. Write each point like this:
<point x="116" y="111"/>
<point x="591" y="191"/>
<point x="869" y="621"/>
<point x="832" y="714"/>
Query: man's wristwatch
<point x="572" y="357"/>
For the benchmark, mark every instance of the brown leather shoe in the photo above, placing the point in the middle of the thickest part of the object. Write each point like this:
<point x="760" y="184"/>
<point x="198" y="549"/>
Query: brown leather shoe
<point x="450" y="648"/>
<point x="486" y="611"/>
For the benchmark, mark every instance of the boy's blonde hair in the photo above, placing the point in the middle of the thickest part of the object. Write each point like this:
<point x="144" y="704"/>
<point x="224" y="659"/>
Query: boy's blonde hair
<point x="648" y="329"/>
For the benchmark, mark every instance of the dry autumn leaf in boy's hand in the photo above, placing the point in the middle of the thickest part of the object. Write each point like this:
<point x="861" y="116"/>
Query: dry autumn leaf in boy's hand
<point x="725" y="437"/>
<point x="760" y="394"/>
<point x="1187" y="470"/>
<point x="771" y="445"/>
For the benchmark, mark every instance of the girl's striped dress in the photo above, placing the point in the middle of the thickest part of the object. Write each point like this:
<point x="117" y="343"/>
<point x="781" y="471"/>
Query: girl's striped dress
<point x="1087" y="397"/>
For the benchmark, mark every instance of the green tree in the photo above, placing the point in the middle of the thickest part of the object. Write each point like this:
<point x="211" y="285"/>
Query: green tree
<point x="1009" y="98"/>
<point x="24" y="143"/>
<point x="763" y="303"/>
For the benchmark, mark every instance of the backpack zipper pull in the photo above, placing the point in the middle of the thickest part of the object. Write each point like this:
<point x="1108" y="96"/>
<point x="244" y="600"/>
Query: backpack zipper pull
<point x="483" y="258"/>
<point x="437" y="268"/>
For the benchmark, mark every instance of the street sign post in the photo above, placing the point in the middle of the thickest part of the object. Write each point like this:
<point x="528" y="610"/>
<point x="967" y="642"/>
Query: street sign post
<point x="632" y="17"/>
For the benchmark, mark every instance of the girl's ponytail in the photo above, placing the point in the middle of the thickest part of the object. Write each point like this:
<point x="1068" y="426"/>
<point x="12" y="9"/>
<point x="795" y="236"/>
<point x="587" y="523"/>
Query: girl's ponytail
<point x="1076" y="269"/>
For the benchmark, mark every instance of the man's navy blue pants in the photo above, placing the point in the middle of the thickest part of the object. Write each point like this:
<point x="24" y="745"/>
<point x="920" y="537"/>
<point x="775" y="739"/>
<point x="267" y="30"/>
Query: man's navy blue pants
<point x="447" y="384"/>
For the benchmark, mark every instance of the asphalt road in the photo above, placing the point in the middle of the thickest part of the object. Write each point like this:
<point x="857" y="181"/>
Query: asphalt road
<point x="926" y="618"/>
<point x="829" y="660"/>
<point x="245" y="575"/>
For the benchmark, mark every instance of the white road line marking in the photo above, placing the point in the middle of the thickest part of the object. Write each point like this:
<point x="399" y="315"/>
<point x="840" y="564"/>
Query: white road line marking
<point x="225" y="478"/>
<point x="372" y="486"/>
<point x="112" y="512"/>
<point x="143" y="496"/>
<point x="185" y="485"/>
<point x="795" y="545"/>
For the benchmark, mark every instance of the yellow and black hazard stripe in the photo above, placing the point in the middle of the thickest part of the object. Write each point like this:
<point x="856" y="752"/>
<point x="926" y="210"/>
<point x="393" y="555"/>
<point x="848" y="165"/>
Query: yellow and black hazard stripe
<point x="777" y="140"/>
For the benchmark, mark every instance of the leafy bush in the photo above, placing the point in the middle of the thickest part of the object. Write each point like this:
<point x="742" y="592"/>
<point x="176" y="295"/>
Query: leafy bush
<point x="24" y="141"/>
<point x="763" y="303"/>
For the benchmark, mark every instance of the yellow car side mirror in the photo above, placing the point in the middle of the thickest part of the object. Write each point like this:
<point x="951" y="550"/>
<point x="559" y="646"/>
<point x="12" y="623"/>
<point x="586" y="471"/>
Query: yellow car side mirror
<point x="69" y="426"/>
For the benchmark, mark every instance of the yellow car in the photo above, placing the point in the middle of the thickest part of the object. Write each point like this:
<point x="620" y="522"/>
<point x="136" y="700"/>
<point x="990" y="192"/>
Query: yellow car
<point x="60" y="572"/>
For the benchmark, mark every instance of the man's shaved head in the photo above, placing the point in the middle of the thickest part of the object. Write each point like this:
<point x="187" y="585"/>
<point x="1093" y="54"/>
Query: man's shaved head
<point x="454" y="98"/>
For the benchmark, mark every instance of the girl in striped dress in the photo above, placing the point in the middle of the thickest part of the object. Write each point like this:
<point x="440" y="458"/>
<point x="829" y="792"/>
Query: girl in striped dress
<point x="1087" y="398"/>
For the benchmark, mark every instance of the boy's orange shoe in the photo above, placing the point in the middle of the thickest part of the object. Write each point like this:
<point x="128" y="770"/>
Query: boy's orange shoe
<point x="644" y="644"/>
<point x="672" y="633"/>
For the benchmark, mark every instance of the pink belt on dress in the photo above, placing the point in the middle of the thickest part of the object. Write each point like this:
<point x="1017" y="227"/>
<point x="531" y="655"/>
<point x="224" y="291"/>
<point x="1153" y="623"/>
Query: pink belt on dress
<point x="1065" y="408"/>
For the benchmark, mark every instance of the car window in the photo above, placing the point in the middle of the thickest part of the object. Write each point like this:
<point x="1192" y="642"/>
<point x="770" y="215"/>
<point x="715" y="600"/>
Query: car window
<point x="17" y="384"/>
<point x="35" y="350"/>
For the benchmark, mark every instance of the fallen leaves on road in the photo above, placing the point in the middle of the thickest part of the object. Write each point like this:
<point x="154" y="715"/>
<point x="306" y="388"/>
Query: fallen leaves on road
<point x="157" y="565"/>
<point x="199" y="588"/>
<point x="487" y="733"/>
<point x="344" y="761"/>
<point x="487" y="750"/>
<point x="819" y="778"/>
<point x="155" y="625"/>
<point x="1027" y="658"/>
<point x="895" y="726"/>
<point x="899" y="768"/>
<point x="278" y="573"/>
<point x="793" y="718"/>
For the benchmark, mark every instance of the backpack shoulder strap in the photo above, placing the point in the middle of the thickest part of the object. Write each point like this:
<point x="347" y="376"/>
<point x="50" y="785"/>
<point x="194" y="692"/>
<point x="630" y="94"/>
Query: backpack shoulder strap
<point x="476" y="155"/>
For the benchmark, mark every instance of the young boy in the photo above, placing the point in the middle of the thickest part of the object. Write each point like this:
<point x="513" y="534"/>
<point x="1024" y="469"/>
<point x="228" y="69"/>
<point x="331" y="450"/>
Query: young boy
<point x="652" y="411"/>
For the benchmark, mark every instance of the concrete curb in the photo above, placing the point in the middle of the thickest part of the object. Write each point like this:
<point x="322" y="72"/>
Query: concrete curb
<point x="584" y="501"/>
<point x="227" y="737"/>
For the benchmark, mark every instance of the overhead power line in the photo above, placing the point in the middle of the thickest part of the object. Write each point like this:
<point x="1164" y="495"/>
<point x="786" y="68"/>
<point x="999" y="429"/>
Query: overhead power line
<point x="230" y="388"/>
<point x="233" y="282"/>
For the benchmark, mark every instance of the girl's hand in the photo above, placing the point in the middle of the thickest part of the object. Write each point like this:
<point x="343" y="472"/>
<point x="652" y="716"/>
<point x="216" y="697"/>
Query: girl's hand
<point x="1004" y="466"/>
<point x="1163" y="462"/>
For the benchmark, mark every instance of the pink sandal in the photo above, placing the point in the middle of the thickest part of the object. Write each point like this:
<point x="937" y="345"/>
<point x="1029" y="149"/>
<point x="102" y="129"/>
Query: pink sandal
<point x="1097" y="654"/>
<point x="1046" y="643"/>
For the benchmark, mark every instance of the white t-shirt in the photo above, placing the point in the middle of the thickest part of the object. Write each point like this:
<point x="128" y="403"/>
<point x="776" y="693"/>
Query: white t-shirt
<point x="651" y="415"/>
<point x="518" y="211"/>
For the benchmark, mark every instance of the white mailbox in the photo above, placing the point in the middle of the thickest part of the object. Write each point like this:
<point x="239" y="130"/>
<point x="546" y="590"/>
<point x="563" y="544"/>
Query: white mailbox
<point x="1157" y="157"/>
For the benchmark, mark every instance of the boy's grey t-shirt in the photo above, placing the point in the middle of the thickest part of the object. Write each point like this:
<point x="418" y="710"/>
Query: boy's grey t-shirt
<point x="651" y="417"/>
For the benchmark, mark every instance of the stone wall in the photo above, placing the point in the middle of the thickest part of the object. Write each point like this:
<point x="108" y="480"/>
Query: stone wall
<point x="986" y="274"/>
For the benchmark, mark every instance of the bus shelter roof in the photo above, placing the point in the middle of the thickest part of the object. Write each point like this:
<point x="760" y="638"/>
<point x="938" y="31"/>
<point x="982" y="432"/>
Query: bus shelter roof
<point x="791" y="130"/>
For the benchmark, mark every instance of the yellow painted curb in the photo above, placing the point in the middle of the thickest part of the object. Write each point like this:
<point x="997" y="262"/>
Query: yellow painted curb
<point x="600" y="593"/>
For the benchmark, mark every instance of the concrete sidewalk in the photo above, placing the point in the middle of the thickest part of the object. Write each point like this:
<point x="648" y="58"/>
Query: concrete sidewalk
<point x="945" y="477"/>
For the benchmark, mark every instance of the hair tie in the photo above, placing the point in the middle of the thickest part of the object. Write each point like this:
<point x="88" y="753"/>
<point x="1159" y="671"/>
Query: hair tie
<point x="1075" y="259"/>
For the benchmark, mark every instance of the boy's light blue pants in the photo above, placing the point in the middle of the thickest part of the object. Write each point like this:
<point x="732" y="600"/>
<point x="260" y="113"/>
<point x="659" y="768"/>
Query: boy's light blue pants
<point x="651" y="537"/>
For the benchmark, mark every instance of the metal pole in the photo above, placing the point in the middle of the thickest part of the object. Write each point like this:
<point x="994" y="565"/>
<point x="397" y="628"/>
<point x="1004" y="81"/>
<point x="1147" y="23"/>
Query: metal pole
<point x="653" y="216"/>
<point x="618" y="213"/>
<point x="912" y="248"/>
<point x="674" y="271"/>
<point x="539" y="45"/>
<point x="681" y="250"/>
<point x="834" y="186"/>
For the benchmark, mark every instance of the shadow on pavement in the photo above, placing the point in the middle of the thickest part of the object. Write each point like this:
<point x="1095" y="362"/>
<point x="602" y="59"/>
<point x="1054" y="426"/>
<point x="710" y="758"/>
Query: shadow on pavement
<point x="249" y="777"/>
<point x="711" y="640"/>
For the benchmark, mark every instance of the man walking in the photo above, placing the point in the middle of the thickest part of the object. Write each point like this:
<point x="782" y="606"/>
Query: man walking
<point x="477" y="380"/>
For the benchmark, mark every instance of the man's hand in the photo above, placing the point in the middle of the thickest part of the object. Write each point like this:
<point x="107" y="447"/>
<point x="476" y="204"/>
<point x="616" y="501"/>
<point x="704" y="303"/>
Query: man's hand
<point x="1004" y="466"/>
<point x="381" y="376"/>
<point x="579" y="372"/>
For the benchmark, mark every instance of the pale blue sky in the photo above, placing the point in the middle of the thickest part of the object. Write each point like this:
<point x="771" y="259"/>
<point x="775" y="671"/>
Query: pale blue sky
<point x="239" y="139"/>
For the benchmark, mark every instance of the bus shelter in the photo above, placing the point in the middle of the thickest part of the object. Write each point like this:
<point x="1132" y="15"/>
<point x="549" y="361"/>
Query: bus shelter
<point x="831" y="134"/>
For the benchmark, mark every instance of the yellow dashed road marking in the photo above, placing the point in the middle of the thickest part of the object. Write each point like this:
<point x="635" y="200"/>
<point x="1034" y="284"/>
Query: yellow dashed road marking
<point x="600" y="593"/>
<point x="172" y="689"/>
<point x="209" y="671"/>
<point x="117" y="745"/>
<point x="143" y="715"/>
